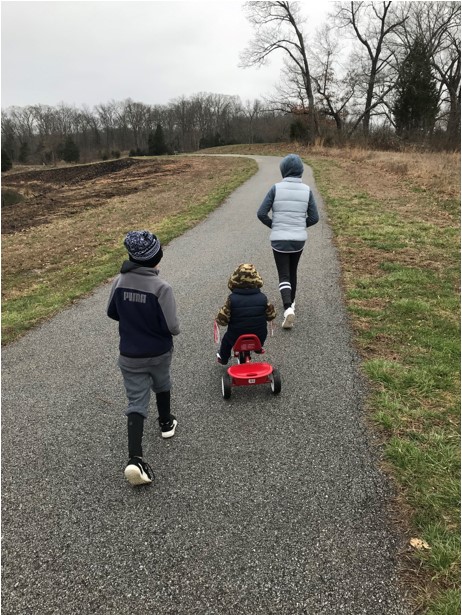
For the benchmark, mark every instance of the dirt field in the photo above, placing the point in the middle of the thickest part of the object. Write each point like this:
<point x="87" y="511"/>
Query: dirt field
<point x="65" y="191"/>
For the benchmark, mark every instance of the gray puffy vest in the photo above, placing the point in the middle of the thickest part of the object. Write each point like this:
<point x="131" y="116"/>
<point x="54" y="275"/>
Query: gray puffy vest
<point x="289" y="210"/>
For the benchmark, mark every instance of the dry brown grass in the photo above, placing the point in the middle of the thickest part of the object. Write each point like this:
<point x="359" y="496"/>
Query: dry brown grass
<point x="437" y="171"/>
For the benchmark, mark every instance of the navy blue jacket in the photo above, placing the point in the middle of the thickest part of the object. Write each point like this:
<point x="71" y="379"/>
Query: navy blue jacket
<point x="145" y="307"/>
<point x="248" y="311"/>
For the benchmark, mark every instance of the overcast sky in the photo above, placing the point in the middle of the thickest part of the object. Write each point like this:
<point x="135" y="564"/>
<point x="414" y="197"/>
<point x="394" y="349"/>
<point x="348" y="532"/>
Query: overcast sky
<point x="91" y="52"/>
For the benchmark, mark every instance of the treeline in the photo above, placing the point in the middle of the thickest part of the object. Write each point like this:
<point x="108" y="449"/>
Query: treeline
<point x="44" y="134"/>
<point x="40" y="134"/>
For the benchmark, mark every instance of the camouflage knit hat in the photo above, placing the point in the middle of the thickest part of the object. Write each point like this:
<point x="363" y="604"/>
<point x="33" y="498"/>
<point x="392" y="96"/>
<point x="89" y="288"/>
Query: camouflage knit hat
<point x="245" y="276"/>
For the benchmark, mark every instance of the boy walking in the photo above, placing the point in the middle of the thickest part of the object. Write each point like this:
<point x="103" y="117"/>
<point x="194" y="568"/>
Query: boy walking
<point x="145" y="308"/>
<point x="246" y="310"/>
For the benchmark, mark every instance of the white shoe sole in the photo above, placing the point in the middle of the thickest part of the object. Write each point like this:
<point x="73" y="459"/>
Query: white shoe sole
<point x="135" y="476"/>
<point x="288" y="321"/>
<point x="171" y="433"/>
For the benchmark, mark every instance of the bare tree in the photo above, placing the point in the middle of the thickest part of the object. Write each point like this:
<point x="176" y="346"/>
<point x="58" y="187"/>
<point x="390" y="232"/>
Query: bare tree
<point x="49" y="135"/>
<point x="64" y="118"/>
<point x="9" y="135"/>
<point x="45" y="120"/>
<point x="154" y="117"/>
<point x="251" y="110"/>
<point x="135" y="114"/>
<point x="278" y="28"/>
<point x="184" y="123"/>
<point x="24" y="120"/>
<point x="335" y="84"/>
<point x="374" y="24"/>
<point x="107" y="116"/>
<point x="223" y="108"/>
<point x="89" y="128"/>
<point x="204" y="117"/>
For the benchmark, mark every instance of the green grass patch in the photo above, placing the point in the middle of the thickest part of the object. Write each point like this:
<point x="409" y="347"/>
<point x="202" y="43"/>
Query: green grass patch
<point x="445" y="603"/>
<point x="402" y="288"/>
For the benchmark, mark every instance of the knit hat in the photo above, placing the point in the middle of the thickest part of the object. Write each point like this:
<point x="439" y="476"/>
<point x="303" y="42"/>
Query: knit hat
<point x="291" y="166"/>
<point x="142" y="246"/>
<point x="245" y="276"/>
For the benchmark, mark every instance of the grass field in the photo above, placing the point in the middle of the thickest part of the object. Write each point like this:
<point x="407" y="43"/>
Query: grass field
<point x="396" y="223"/>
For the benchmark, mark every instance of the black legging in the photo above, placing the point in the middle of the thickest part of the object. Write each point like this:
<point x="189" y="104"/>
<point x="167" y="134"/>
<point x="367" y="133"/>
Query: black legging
<point x="286" y="264"/>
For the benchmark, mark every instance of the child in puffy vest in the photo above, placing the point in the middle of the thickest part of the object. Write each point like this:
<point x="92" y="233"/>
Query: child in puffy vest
<point x="246" y="310"/>
<point x="293" y="210"/>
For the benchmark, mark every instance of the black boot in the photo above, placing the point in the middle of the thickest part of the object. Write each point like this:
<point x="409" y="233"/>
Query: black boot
<point x="167" y="421"/>
<point x="163" y="406"/>
<point x="135" y="424"/>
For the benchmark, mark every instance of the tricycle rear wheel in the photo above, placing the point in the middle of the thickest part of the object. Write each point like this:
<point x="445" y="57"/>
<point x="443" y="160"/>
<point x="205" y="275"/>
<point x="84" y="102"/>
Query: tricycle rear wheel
<point x="275" y="382"/>
<point x="226" y="386"/>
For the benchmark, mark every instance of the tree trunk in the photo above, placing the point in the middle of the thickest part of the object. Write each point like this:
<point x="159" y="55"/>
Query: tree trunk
<point x="453" y="128"/>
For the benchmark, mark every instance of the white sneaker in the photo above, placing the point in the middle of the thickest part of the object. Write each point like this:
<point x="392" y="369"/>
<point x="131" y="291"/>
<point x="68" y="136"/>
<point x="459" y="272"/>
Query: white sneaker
<point x="289" y="317"/>
<point x="138" y="472"/>
<point x="168" y="428"/>
<point x="293" y="306"/>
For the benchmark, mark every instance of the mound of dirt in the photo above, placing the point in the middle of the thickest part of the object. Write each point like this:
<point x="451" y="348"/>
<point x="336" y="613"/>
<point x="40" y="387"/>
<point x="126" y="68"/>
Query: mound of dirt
<point x="69" y="175"/>
<point x="47" y="193"/>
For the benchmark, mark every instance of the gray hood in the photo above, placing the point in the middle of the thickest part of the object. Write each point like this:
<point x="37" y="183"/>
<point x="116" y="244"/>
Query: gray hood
<point x="128" y="266"/>
<point x="291" y="166"/>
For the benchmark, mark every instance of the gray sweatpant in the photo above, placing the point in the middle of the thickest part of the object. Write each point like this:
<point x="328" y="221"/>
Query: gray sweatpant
<point x="143" y="375"/>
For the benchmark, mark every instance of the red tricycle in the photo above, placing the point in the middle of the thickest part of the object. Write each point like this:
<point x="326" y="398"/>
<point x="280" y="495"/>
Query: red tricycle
<point x="246" y="373"/>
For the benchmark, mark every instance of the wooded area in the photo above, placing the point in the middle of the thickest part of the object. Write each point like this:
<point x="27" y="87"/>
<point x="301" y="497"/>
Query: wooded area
<point x="379" y="74"/>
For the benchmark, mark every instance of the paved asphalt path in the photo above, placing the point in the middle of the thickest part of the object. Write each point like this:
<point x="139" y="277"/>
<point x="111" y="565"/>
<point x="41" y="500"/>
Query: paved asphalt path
<point x="261" y="504"/>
